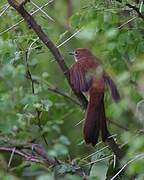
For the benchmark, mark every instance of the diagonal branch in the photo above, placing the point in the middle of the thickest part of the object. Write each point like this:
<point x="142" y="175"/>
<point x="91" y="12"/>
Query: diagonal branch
<point x="45" y="39"/>
<point x="57" y="91"/>
<point x="60" y="60"/>
<point x="136" y="10"/>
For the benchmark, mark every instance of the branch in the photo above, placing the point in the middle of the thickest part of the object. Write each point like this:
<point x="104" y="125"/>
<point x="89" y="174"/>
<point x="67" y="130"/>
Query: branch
<point x="114" y="147"/>
<point x="60" y="60"/>
<point x="20" y="153"/>
<point x="29" y="76"/>
<point x="36" y="153"/>
<point x="54" y="89"/>
<point x="69" y="8"/>
<point x="59" y="92"/>
<point x="118" y="125"/>
<point x="136" y="10"/>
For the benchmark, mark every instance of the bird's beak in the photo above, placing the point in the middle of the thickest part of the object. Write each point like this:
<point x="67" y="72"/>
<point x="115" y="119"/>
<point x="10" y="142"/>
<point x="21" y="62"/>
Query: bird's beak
<point x="71" y="53"/>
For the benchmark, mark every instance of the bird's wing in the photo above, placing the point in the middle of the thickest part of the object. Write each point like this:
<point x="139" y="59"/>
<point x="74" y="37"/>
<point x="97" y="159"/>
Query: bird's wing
<point x="78" y="78"/>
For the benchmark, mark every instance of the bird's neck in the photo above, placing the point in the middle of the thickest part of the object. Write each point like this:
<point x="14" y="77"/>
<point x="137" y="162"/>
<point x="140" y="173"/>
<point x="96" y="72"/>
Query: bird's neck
<point x="83" y="58"/>
<point x="75" y="59"/>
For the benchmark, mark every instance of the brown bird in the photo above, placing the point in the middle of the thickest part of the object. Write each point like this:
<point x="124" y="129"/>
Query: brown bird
<point x="87" y="75"/>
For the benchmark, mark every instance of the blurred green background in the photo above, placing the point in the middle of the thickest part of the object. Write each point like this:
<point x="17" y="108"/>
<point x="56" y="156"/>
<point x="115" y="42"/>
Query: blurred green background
<point x="105" y="30"/>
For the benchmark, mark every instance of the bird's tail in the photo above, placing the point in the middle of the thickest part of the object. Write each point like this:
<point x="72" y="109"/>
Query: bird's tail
<point x="95" y="120"/>
<point x="112" y="86"/>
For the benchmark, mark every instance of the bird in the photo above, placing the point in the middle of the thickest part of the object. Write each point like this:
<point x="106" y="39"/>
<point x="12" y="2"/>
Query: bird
<point x="87" y="76"/>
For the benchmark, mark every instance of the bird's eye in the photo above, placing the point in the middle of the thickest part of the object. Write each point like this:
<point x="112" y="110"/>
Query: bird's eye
<point x="76" y="53"/>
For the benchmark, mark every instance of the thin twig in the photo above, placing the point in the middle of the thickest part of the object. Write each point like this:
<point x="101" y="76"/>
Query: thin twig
<point x="6" y="8"/>
<point x="28" y="72"/>
<point x="114" y="161"/>
<point x="57" y="91"/>
<point x="118" y="125"/>
<point x="140" y="156"/>
<point x="33" y="91"/>
<point x="40" y="126"/>
<point x="11" y="157"/>
<point x="58" y="46"/>
<point x="30" y="47"/>
<point x="98" y="160"/>
<point x="42" y="11"/>
<point x="3" y="6"/>
<point x="125" y="23"/>
<point x="20" y="153"/>
<point x="94" y="153"/>
<point x="79" y="122"/>
<point x="33" y="13"/>
<point x="141" y="5"/>
<point x="13" y="26"/>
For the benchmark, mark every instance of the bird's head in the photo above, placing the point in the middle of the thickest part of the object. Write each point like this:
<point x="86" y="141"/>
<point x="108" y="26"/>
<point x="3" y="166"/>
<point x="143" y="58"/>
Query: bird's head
<point x="81" y="53"/>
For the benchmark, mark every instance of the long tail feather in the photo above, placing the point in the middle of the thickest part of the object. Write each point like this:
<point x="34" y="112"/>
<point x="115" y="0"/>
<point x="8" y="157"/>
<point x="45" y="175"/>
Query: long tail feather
<point x="95" y="119"/>
<point x="104" y="130"/>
